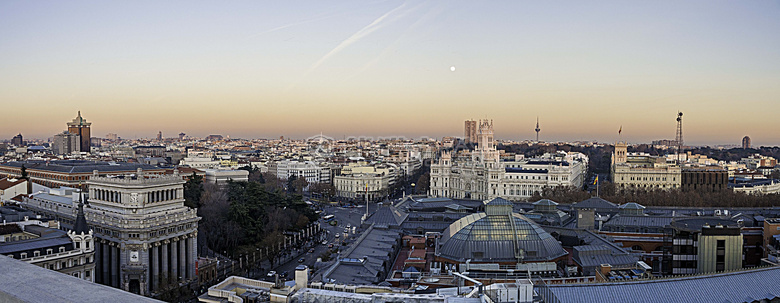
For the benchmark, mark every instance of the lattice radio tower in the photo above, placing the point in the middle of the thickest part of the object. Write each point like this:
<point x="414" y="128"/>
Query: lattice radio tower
<point x="679" y="138"/>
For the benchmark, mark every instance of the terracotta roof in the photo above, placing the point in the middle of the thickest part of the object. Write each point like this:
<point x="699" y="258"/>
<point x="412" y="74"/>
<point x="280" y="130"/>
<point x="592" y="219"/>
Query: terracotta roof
<point x="6" y="184"/>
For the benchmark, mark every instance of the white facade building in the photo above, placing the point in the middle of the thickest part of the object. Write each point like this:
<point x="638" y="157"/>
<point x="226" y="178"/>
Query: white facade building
<point x="642" y="171"/>
<point x="311" y="171"/>
<point x="360" y="182"/>
<point x="485" y="176"/>
<point x="143" y="231"/>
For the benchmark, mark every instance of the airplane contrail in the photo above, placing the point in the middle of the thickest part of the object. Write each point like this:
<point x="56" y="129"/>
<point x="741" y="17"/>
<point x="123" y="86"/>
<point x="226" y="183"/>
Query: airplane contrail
<point x="360" y="34"/>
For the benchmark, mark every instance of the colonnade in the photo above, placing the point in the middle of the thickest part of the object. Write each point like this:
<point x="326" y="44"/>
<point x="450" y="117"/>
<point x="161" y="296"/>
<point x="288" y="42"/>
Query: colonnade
<point x="173" y="258"/>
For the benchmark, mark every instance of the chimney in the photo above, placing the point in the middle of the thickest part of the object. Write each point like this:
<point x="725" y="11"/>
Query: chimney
<point x="605" y="269"/>
<point x="301" y="277"/>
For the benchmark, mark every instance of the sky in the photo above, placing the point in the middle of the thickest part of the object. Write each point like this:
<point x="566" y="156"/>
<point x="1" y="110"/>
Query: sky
<point x="264" y="69"/>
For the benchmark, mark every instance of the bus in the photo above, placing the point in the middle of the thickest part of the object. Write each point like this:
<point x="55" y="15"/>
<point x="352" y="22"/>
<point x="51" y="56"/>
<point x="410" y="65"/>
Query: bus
<point x="328" y="218"/>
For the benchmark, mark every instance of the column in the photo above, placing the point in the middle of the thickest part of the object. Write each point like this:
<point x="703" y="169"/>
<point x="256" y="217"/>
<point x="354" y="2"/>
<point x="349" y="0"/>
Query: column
<point x="154" y="258"/>
<point x="98" y="274"/>
<point x="193" y="255"/>
<point x="105" y="259"/>
<point x="165" y="271"/>
<point x="175" y="260"/>
<point x="182" y="258"/>
<point x="115" y="266"/>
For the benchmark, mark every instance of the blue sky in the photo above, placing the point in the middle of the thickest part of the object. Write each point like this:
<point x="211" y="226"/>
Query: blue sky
<point x="297" y="68"/>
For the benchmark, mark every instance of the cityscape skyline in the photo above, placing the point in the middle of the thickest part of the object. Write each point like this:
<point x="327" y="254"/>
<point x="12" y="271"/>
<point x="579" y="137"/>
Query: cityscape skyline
<point x="391" y="68"/>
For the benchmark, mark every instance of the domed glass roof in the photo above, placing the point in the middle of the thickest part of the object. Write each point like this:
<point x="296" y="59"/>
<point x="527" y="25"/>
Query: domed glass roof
<point x="496" y="236"/>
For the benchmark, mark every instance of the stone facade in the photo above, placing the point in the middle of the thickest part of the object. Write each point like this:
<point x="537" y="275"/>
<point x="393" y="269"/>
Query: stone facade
<point x="144" y="232"/>
<point x="633" y="171"/>
<point x="484" y="176"/>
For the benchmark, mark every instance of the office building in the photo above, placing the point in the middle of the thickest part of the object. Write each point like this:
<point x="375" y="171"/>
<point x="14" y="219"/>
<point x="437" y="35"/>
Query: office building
<point x="470" y="132"/>
<point x="66" y="143"/>
<point x="80" y="127"/>
<point x="17" y="140"/>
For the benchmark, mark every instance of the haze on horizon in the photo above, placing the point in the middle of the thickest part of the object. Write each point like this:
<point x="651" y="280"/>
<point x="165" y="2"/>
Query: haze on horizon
<point x="263" y="69"/>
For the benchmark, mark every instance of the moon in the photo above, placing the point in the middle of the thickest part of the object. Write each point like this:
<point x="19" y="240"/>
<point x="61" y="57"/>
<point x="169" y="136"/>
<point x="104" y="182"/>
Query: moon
<point x="452" y="68"/>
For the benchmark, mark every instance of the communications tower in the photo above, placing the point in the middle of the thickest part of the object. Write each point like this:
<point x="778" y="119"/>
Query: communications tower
<point x="679" y="138"/>
<point x="537" y="129"/>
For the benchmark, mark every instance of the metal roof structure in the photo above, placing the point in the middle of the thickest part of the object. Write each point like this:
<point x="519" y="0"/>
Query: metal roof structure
<point x="368" y="259"/>
<point x="80" y="166"/>
<point x="596" y="203"/>
<point x="387" y="216"/>
<point x="498" y="235"/>
<point x="740" y="286"/>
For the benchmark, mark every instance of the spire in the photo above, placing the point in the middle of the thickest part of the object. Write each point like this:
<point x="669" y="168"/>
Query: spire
<point x="80" y="226"/>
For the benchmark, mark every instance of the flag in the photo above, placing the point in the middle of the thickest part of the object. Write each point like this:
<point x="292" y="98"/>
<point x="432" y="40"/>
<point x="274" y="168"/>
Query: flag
<point x="621" y="130"/>
<point x="596" y="181"/>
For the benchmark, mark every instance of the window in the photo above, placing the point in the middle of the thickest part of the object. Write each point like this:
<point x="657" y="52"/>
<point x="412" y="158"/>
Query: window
<point x="62" y="249"/>
<point x="36" y="253"/>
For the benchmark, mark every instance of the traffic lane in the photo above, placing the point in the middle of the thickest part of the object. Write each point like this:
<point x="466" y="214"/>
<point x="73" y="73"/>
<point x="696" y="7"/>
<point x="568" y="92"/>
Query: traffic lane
<point x="309" y="259"/>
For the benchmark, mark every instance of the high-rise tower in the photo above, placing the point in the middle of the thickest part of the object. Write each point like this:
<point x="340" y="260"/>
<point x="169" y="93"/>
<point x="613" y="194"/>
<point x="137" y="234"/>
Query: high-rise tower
<point x="80" y="126"/>
<point x="537" y="129"/>
<point x="470" y="131"/>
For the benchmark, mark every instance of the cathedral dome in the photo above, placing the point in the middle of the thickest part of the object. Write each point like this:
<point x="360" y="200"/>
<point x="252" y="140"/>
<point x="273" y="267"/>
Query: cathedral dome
<point x="498" y="235"/>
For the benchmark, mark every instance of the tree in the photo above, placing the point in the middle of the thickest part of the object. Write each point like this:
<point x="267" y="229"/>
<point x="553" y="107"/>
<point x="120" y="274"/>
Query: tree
<point x="193" y="190"/>
<point x="290" y="184"/>
<point x="423" y="184"/>
<point x="300" y="184"/>
<point x="323" y="190"/>
<point x="24" y="172"/>
<point x="254" y="174"/>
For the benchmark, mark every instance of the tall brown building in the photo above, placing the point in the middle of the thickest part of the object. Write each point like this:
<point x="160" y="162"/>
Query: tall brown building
<point x="80" y="127"/>
<point x="470" y="133"/>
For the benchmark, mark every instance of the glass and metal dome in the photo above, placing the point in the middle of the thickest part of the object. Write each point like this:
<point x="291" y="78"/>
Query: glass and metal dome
<point x="498" y="235"/>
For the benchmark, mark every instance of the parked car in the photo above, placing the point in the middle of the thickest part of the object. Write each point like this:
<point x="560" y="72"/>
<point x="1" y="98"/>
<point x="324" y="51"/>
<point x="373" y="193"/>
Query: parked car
<point x="301" y="260"/>
<point x="311" y="251"/>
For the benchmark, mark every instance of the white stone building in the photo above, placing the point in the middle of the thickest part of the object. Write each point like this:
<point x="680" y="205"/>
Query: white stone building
<point x="642" y="171"/>
<point x="144" y="232"/>
<point x="358" y="181"/>
<point x="484" y="176"/>
<point x="311" y="171"/>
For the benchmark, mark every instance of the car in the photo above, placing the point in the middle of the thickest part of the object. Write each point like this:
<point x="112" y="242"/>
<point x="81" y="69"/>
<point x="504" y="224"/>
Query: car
<point x="301" y="260"/>
<point x="337" y="235"/>
<point x="283" y="274"/>
<point x="330" y="245"/>
<point x="311" y="250"/>
<point x="324" y="242"/>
